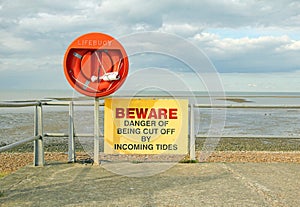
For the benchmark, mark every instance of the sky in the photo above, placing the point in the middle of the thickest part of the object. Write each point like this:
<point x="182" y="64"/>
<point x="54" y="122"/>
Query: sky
<point x="254" y="45"/>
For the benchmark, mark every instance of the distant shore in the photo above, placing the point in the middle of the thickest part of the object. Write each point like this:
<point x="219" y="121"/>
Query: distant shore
<point x="236" y="100"/>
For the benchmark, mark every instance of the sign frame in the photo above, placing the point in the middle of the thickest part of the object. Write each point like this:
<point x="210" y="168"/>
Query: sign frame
<point x="146" y="126"/>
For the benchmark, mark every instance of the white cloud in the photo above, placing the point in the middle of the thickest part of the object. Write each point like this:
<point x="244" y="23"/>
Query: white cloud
<point x="46" y="22"/>
<point x="185" y="30"/>
<point x="291" y="46"/>
<point x="240" y="45"/>
<point x="10" y="43"/>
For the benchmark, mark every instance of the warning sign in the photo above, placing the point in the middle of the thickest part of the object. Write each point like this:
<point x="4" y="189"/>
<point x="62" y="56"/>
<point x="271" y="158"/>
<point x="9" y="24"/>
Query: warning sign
<point x="146" y="126"/>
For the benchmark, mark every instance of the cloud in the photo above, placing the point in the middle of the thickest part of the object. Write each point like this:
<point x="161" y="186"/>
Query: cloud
<point x="238" y="36"/>
<point x="261" y="54"/>
<point x="10" y="43"/>
<point x="291" y="46"/>
<point x="185" y="29"/>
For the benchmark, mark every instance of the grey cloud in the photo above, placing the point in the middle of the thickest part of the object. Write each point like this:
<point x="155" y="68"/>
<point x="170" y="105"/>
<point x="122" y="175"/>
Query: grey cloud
<point x="235" y="13"/>
<point x="261" y="54"/>
<point x="40" y="31"/>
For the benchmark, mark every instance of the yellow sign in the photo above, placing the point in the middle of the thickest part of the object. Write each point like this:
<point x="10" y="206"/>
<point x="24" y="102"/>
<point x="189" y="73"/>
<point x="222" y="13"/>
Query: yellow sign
<point x="145" y="126"/>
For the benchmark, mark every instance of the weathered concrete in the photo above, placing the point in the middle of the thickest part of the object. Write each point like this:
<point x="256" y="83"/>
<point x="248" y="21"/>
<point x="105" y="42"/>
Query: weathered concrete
<point x="206" y="184"/>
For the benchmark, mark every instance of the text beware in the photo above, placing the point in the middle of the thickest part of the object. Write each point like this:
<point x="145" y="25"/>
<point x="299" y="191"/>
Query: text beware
<point x="146" y="113"/>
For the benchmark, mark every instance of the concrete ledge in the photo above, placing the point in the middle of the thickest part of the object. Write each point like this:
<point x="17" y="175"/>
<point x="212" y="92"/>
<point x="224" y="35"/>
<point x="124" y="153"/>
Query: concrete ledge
<point x="204" y="184"/>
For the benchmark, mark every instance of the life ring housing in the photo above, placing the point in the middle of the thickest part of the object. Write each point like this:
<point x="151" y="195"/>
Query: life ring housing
<point x="96" y="64"/>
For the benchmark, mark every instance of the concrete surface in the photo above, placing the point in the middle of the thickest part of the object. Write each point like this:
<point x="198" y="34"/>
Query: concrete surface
<point x="204" y="184"/>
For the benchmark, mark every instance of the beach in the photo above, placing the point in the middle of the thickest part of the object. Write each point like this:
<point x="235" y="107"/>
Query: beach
<point x="11" y="162"/>
<point x="17" y="124"/>
<point x="232" y="150"/>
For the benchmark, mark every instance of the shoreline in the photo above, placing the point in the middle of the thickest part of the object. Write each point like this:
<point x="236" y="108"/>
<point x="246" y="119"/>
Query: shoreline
<point x="227" y="150"/>
<point x="224" y="144"/>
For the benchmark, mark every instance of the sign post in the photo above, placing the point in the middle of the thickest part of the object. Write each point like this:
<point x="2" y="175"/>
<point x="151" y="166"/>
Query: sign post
<point x="96" y="65"/>
<point x="96" y="132"/>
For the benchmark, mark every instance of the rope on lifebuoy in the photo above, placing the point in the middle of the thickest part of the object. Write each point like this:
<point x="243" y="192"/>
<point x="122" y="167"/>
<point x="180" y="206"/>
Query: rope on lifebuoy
<point x="91" y="79"/>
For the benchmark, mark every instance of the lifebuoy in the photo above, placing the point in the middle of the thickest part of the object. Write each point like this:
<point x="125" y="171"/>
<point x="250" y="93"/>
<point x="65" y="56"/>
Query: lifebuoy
<point x="96" y="71"/>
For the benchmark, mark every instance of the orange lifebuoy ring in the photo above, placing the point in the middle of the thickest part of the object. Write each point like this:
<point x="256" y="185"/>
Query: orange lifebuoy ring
<point x="93" y="69"/>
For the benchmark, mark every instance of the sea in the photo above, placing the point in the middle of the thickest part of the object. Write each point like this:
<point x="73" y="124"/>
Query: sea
<point x="18" y="123"/>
